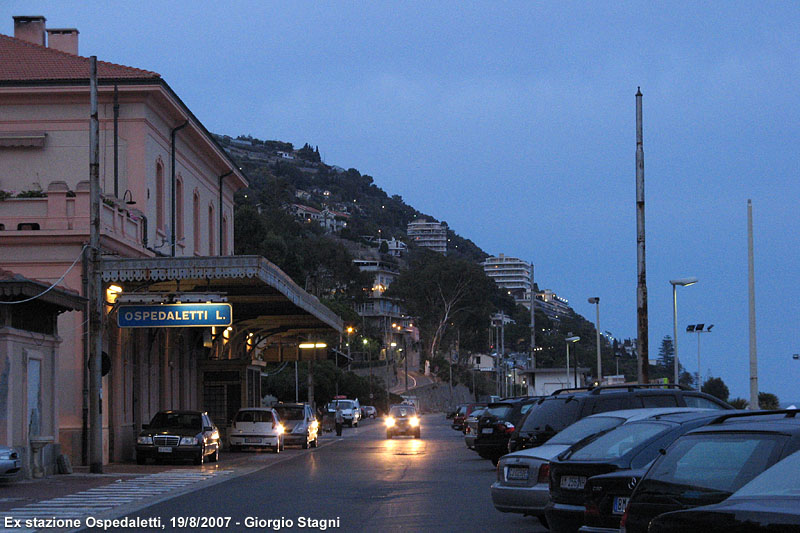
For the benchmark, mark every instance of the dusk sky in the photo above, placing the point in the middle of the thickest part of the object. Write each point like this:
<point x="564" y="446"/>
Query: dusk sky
<point x="515" y="123"/>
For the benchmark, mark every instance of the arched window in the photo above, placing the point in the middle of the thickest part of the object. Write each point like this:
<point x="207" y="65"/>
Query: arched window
<point x="160" y="218"/>
<point x="179" y="209"/>
<point x="196" y="221"/>
<point x="223" y="246"/>
<point x="210" y="229"/>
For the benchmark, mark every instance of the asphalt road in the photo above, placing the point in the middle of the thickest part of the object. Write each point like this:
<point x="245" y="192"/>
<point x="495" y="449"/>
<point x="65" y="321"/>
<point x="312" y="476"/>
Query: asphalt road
<point x="359" y="482"/>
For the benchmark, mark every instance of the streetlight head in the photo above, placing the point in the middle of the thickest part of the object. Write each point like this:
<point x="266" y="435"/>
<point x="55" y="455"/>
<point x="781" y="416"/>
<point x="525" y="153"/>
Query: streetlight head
<point x="572" y="339"/>
<point x="594" y="300"/>
<point x="690" y="327"/>
<point x="683" y="282"/>
<point x="709" y="327"/>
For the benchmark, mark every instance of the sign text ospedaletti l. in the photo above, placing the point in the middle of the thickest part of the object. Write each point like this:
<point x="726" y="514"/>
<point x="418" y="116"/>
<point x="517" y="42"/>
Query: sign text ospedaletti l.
<point x="175" y="315"/>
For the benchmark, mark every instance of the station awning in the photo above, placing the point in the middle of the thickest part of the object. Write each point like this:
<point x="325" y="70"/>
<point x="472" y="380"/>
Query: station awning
<point x="262" y="295"/>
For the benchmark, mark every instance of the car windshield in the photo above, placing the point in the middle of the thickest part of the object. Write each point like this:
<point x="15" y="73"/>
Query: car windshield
<point x="402" y="411"/>
<point x="175" y="421"/>
<point x="718" y="462"/>
<point x="781" y="479"/>
<point x="585" y="428"/>
<point x="290" y="413"/>
<point x="254" y="416"/>
<point x="618" y="442"/>
<point x="553" y="414"/>
<point x="500" y="410"/>
<point x="344" y="404"/>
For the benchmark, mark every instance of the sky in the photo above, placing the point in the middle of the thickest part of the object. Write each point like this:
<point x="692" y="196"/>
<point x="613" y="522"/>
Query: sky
<point x="515" y="123"/>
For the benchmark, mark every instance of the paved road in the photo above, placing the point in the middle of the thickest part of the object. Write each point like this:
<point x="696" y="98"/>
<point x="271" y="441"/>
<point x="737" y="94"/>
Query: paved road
<point x="360" y="482"/>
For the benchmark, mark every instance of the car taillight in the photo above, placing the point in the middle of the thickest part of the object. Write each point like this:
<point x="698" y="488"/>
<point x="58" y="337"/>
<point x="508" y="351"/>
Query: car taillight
<point x="509" y="427"/>
<point x="467" y="430"/>
<point x="624" y="520"/>
<point x="544" y="473"/>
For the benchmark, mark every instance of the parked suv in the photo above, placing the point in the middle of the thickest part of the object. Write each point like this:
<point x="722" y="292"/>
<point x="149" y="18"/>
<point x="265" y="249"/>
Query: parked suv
<point x="566" y="406"/>
<point x="497" y="423"/>
<point x="709" y="464"/>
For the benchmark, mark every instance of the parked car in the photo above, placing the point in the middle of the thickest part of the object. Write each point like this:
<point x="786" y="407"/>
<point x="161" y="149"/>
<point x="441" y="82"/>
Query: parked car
<point x="256" y="427"/>
<point x="567" y="406"/>
<point x="402" y="420"/>
<point x="178" y="435"/>
<point x="453" y="411"/>
<point x="768" y="503"/>
<point x="300" y="426"/>
<point x="471" y="427"/>
<point x="523" y="477"/>
<point x="708" y="465"/>
<point x="631" y="446"/>
<point x="497" y="423"/>
<point x="351" y="410"/>
<point x="9" y="463"/>
<point x="370" y="411"/>
<point x="463" y="413"/>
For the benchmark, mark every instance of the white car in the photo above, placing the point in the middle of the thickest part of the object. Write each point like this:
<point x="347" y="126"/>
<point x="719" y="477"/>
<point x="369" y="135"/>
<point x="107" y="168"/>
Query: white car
<point x="258" y="427"/>
<point x="351" y="410"/>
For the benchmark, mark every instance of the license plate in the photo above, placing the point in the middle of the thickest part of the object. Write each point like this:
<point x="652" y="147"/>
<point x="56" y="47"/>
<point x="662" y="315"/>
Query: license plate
<point x="620" y="504"/>
<point x="165" y="449"/>
<point x="252" y="440"/>
<point x="519" y="473"/>
<point x="487" y="430"/>
<point x="573" y="482"/>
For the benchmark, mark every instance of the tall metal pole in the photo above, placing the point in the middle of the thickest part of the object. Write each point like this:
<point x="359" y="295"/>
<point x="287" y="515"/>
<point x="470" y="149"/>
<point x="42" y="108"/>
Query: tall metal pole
<point x="596" y="300"/>
<point x="698" y="359"/>
<point x="532" y="360"/>
<point x="95" y="285"/>
<point x="676" y="364"/>
<point x="568" y="364"/>
<point x="752" y="310"/>
<point x="296" y="385"/>
<point x="641" y="287"/>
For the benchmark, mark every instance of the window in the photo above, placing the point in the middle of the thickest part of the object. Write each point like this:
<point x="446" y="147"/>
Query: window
<point x="210" y="229"/>
<point x="610" y="404"/>
<point x="160" y="222"/>
<point x="223" y="246"/>
<point x="196" y="221"/>
<point x="659" y="400"/>
<point x="699" y="401"/>
<point x="179" y="209"/>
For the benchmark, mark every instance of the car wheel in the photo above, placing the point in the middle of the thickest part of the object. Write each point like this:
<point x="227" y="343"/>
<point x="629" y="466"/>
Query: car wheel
<point x="214" y="456"/>
<point x="355" y="424"/>
<point x="315" y="442"/>
<point x="543" y="521"/>
<point x="140" y="459"/>
<point x="283" y="444"/>
<point x="201" y="457"/>
<point x="277" y="447"/>
<point x="417" y="435"/>
<point x="495" y="460"/>
<point x="305" y="443"/>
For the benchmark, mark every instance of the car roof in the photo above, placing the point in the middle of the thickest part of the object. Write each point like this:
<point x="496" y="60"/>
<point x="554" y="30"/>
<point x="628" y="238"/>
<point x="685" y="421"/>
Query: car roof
<point x="514" y="401"/>
<point x="182" y="412"/>
<point x="683" y="416"/>
<point x="287" y="404"/>
<point x="782" y="421"/>
<point x="255" y="409"/>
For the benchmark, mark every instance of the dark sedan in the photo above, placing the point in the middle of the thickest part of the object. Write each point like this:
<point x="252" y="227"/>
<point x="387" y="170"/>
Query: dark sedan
<point x="769" y="503"/>
<point x="178" y="435"/>
<point x="496" y="425"/>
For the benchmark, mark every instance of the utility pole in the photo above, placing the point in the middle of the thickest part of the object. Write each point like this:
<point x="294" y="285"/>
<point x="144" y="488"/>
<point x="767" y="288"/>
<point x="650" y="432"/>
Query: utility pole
<point x="95" y="292"/>
<point x="752" y="311"/>
<point x="641" y="287"/>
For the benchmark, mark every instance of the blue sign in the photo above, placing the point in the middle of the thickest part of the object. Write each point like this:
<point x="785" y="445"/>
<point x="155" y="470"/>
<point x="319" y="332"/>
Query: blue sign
<point x="174" y="315"/>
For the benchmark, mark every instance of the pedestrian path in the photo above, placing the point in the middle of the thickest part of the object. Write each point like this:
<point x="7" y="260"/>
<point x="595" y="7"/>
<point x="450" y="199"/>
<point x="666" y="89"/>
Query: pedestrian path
<point x="93" y="502"/>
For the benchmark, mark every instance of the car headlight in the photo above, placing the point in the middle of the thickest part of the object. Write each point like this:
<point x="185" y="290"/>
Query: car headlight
<point x="414" y="421"/>
<point x="144" y="440"/>
<point x="5" y="456"/>
<point x="188" y="441"/>
<point x="280" y="429"/>
<point x="389" y="421"/>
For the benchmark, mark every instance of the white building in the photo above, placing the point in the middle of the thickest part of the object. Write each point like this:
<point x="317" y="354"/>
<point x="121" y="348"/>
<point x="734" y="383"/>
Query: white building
<point x="427" y="234"/>
<point x="511" y="274"/>
<point x="545" y="381"/>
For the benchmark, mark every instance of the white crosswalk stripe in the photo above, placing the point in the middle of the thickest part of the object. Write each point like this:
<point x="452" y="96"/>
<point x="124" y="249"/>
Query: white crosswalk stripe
<point x="101" y="499"/>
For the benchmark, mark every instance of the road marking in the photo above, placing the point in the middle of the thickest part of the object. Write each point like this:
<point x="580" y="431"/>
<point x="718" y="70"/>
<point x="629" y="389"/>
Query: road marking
<point x="106" y="498"/>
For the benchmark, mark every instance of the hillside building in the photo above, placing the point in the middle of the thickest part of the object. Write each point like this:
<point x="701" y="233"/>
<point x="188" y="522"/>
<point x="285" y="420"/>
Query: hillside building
<point x="512" y="275"/>
<point x="427" y="234"/>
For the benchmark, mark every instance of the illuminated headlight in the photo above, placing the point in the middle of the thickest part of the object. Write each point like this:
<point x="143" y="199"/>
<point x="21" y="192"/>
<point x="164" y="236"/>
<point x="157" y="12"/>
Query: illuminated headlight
<point x="389" y="421"/>
<point x="144" y="440"/>
<point x="188" y="441"/>
<point x="280" y="429"/>
<point x="414" y="421"/>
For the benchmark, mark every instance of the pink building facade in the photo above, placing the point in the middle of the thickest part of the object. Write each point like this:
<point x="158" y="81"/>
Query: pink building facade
<point x="167" y="192"/>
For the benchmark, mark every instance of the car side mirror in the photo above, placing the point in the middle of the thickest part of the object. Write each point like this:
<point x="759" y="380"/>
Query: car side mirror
<point x="208" y="428"/>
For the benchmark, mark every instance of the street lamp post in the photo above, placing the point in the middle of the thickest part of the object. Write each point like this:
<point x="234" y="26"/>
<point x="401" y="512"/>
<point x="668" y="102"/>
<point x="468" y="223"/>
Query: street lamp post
<point x="569" y="341"/>
<point x="596" y="300"/>
<point x="683" y="282"/>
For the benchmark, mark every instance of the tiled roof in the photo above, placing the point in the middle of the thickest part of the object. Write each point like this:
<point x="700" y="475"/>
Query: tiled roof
<point x="24" y="61"/>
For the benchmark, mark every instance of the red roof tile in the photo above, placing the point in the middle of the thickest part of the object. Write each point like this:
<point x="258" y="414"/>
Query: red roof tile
<point x="24" y="61"/>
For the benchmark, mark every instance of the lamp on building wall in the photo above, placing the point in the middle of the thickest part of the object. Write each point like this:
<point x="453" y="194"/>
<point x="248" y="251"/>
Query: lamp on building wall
<point x="129" y="195"/>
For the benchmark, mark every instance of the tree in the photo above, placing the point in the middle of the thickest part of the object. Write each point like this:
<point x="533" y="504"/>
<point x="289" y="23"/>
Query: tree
<point x="384" y="247"/>
<point x="767" y="400"/>
<point x="717" y="388"/>
<point x="666" y="352"/>
<point x="738" y="403"/>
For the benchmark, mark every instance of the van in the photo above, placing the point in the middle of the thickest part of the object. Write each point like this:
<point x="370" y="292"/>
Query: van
<point x="351" y="410"/>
